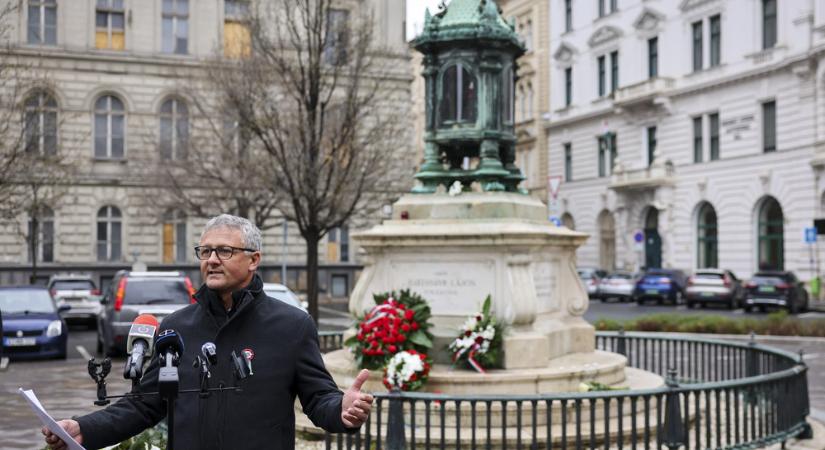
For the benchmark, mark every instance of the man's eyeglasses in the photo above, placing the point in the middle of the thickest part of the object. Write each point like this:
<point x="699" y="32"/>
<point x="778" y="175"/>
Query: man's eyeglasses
<point x="224" y="252"/>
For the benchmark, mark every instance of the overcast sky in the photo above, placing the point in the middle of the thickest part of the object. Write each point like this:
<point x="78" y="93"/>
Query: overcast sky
<point x="415" y="14"/>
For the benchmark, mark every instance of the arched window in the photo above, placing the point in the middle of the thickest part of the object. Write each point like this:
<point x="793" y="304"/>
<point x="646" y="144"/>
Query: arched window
<point x="507" y="95"/>
<point x="110" y="127"/>
<point x="607" y="241"/>
<point x="174" y="129"/>
<point x="108" y="234"/>
<point x="567" y="221"/>
<point x="771" y="236"/>
<point x="174" y="237"/>
<point x="41" y="229"/>
<point x="458" y="95"/>
<point x="40" y="124"/>
<point x="707" y="243"/>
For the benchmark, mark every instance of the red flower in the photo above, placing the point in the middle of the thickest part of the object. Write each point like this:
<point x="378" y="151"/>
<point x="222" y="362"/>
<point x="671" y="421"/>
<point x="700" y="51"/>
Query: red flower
<point x="415" y="325"/>
<point x="409" y="314"/>
<point x="392" y="348"/>
<point x="400" y="338"/>
<point x="468" y="333"/>
<point x="479" y="339"/>
<point x="478" y="318"/>
<point x="405" y="327"/>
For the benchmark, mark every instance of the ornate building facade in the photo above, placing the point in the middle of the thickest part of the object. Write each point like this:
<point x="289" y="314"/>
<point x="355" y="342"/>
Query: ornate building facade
<point x="694" y="126"/>
<point x="114" y="70"/>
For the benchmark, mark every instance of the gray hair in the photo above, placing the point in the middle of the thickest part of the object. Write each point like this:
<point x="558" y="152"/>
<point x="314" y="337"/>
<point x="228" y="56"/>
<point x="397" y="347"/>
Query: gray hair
<point x="251" y="233"/>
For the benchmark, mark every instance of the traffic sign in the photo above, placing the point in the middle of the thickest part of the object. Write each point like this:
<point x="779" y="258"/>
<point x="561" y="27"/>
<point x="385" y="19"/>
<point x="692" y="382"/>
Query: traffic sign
<point x="553" y="185"/>
<point x="554" y="205"/>
<point x="556" y="221"/>
<point x="810" y="235"/>
<point x="638" y="236"/>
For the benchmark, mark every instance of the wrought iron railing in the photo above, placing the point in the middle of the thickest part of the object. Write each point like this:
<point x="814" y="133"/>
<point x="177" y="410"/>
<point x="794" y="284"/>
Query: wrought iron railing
<point x="717" y="395"/>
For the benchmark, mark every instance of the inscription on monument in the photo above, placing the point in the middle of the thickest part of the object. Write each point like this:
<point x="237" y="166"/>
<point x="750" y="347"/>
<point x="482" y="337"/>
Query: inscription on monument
<point x="454" y="288"/>
<point x="544" y="279"/>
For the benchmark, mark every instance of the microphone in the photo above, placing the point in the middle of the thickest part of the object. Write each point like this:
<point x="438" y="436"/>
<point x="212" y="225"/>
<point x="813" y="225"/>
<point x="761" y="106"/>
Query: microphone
<point x="210" y="353"/>
<point x="169" y="343"/>
<point x="139" y="345"/>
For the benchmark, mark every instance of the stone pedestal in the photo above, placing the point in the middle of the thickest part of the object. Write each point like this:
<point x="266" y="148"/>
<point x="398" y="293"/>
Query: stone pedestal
<point x="455" y="251"/>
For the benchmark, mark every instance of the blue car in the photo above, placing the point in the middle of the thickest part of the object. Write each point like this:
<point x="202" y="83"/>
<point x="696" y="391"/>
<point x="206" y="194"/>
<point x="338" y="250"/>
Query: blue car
<point x="661" y="285"/>
<point x="32" y="326"/>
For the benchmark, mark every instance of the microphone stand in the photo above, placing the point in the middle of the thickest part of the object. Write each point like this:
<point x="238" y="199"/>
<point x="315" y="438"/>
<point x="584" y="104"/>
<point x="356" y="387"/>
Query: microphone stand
<point x="168" y="386"/>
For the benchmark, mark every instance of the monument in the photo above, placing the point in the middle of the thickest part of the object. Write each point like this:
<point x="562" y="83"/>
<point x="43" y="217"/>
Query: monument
<point x="467" y="231"/>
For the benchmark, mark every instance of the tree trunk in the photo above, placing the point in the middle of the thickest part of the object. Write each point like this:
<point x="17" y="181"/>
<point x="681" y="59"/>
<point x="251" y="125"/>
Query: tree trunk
<point x="33" y="235"/>
<point x="312" y="238"/>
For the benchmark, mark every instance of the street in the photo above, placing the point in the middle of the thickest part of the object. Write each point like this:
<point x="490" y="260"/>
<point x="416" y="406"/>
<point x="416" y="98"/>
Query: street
<point x="65" y="388"/>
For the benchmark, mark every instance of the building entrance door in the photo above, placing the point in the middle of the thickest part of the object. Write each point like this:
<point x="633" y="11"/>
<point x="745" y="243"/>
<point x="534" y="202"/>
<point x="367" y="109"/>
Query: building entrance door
<point x="653" y="242"/>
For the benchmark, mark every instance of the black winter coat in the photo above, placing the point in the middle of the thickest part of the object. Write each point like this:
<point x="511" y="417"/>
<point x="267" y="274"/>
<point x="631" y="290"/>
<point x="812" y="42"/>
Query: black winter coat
<point x="287" y="362"/>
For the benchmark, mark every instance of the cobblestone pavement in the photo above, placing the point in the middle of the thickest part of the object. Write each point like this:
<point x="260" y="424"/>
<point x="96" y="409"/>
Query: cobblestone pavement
<point x="65" y="389"/>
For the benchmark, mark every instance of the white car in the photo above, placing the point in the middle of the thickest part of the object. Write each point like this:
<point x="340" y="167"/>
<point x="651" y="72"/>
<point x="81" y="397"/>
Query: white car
<point x="79" y="292"/>
<point x="280" y="292"/>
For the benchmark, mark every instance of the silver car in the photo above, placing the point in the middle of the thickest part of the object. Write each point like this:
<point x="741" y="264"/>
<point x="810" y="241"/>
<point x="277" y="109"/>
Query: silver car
<point x="134" y="293"/>
<point x="282" y="293"/>
<point x="618" y="285"/>
<point x="79" y="293"/>
<point x="709" y="286"/>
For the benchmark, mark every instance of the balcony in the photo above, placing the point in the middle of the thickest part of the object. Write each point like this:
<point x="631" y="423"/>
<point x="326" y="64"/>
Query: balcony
<point x="652" y="177"/>
<point x="645" y="93"/>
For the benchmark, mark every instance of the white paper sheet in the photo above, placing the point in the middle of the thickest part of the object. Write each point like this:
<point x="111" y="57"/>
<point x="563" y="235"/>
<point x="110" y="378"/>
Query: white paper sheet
<point x="47" y="419"/>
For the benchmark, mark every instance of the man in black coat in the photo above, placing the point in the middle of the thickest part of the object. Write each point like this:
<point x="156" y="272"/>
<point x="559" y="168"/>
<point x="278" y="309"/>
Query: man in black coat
<point x="233" y="312"/>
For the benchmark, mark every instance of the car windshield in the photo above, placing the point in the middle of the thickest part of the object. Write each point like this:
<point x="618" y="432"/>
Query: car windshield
<point x="25" y="300"/>
<point x="69" y="285"/>
<point x="284" y="296"/>
<point x="148" y="291"/>
<point x="621" y="276"/>
<point x="708" y="276"/>
<point x="767" y="279"/>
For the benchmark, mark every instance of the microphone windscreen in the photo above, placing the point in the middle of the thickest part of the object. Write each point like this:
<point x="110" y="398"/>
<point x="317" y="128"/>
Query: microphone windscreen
<point x="146" y="319"/>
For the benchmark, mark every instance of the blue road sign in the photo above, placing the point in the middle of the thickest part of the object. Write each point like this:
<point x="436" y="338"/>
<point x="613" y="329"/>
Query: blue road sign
<point x="638" y="236"/>
<point x="556" y="221"/>
<point x="810" y="235"/>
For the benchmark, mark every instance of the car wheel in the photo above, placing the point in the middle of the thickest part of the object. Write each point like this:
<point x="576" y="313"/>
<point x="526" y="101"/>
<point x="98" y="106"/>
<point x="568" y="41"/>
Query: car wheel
<point x="640" y="302"/>
<point x="792" y="308"/>
<point x="747" y="309"/>
<point x="732" y="304"/>
<point x="690" y="304"/>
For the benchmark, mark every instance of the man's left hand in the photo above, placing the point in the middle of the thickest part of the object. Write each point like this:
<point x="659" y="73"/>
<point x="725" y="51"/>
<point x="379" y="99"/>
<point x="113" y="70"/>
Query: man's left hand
<point x="356" y="405"/>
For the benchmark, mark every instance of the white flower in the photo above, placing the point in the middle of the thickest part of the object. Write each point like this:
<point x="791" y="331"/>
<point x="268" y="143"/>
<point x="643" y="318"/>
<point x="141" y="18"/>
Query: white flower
<point x="402" y="366"/>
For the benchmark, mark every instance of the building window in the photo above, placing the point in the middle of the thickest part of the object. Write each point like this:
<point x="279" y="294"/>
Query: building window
<point x="614" y="5"/>
<point x="771" y="236"/>
<point x="42" y="23"/>
<point x="174" y="129"/>
<point x="602" y="76"/>
<point x="715" y="40"/>
<point x="175" y="25"/>
<point x="614" y="71"/>
<point x="508" y="95"/>
<point x="110" y="25"/>
<point x="651" y="145"/>
<point x="768" y="23"/>
<point x="602" y="9"/>
<point x="174" y="237"/>
<point x="338" y="245"/>
<point x="697" y="139"/>
<point x="458" y="100"/>
<point x="568" y="15"/>
<point x="340" y="285"/>
<point x="529" y="111"/>
<point x="108" y="234"/>
<point x="697" y="46"/>
<point x="237" y="42"/>
<point x="40" y="124"/>
<point x="653" y="57"/>
<point x="707" y="242"/>
<point x="714" y="136"/>
<point x="110" y="119"/>
<point x="769" y="126"/>
<point x="607" y="153"/>
<point x="568" y="162"/>
<point x="336" y="40"/>
<point x="41" y="228"/>
<point x="568" y="86"/>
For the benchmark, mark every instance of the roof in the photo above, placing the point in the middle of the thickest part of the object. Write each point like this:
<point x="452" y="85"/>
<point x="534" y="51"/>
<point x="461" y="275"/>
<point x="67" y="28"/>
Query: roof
<point x="469" y="21"/>
<point x="469" y="12"/>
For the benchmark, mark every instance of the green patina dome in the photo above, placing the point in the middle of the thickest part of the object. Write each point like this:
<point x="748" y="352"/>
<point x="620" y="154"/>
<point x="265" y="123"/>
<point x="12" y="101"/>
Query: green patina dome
<point x="468" y="20"/>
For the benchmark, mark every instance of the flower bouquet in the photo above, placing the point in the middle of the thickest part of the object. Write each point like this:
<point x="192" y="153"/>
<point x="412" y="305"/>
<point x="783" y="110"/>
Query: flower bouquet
<point x="407" y="370"/>
<point x="480" y="341"/>
<point x="398" y="322"/>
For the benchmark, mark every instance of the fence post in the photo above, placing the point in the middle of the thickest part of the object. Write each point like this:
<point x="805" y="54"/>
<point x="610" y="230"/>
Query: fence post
<point x="751" y="361"/>
<point x="621" y="347"/>
<point x="395" y="423"/>
<point x="673" y="431"/>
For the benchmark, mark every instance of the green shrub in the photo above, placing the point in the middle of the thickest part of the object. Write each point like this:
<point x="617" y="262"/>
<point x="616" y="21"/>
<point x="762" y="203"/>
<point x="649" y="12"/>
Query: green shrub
<point x="776" y="324"/>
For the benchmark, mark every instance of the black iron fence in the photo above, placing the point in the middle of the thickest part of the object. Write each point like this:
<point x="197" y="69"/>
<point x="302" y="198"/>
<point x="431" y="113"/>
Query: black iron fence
<point x="717" y="395"/>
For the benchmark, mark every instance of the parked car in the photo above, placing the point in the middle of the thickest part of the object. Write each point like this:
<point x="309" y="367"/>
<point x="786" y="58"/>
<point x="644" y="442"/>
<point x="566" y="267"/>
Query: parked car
<point x="660" y="285"/>
<point x="775" y="288"/>
<point x="32" y="326"/>
<point x="134" y="293"/>
<point x="707" y="286"/>
<point x="79" y="292"/>
<point x="284" y="294"/>
<point x="618" y="285"/>
<point x="591" y="277"/>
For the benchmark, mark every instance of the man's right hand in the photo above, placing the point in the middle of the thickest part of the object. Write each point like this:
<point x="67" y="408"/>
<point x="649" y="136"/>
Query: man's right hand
<point x="71" y="427"/>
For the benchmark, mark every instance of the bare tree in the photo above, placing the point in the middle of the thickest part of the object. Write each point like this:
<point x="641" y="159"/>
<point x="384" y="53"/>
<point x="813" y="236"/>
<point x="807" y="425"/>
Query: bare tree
<point x="313" y="94"/>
